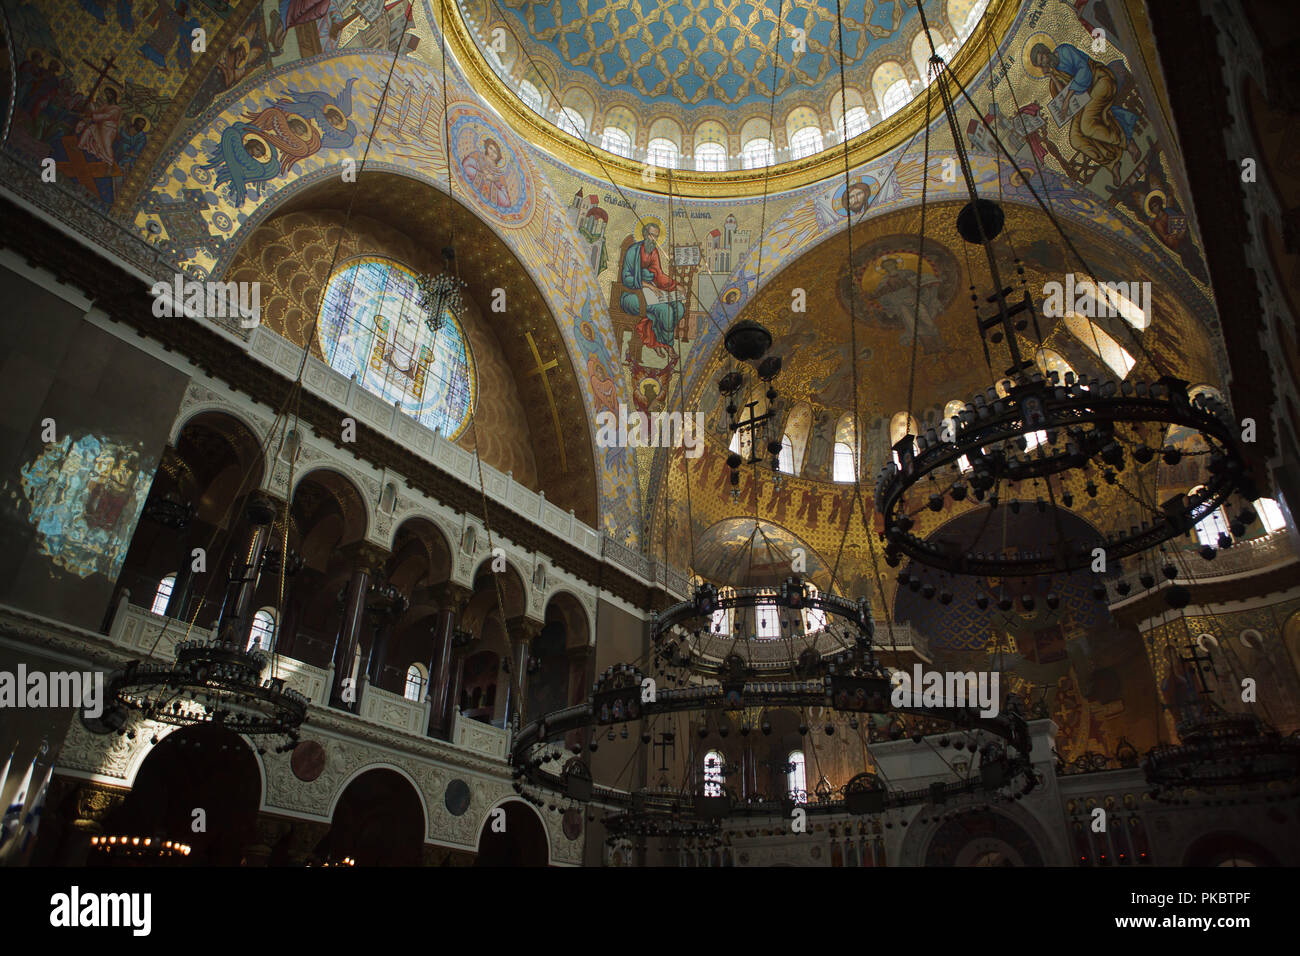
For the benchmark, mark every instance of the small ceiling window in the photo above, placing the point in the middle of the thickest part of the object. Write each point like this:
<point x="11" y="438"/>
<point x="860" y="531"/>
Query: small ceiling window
<point x="572" y="122"/>
<point x="854" y="123"/>
<point x="531" y="96"/>
<point x="710" y="158"/>
<point x="895" y="98"/>
<point x="757" y="154"/>
<point x="617" y="141"/>
<point x="806" y="142"/>
<point x="663" y="153"/>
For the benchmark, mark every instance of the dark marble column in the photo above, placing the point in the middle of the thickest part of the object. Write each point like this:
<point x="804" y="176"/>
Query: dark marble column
<point x="236" y="611"/>
<point x="452" y="599"/>
<point x="367" y="560"/>
<point x="521" y="632"/>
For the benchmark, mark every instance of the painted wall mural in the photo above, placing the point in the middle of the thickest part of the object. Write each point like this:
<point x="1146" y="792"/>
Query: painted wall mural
<point x="297" y="90"/>
<point x="85" y="496"/>
<point x="95" y="79"/>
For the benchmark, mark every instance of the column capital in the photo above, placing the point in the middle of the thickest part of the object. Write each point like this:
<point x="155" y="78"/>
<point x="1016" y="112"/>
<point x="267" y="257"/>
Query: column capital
<point x="261" y="508"/>
<point x="452" y="596"/>
<point x="523" y="629"/>
<point x="95" y="801"/>
<point x="367" y="557"/>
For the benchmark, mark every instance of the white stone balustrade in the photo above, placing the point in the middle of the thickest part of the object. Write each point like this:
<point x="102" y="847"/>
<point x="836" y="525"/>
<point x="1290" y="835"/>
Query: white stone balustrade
<point x="393" y="710"/>
<point x="479" y="737"/>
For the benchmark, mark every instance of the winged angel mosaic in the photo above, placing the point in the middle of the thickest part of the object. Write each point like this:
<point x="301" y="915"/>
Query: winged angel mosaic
<point x="269" y="142"/>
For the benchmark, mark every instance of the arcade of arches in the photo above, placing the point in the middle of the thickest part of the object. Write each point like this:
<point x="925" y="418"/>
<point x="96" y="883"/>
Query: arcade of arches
<point x="315" y="338"/>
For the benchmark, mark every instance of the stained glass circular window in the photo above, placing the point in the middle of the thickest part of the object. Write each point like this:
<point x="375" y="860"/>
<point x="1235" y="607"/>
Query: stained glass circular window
<point x="373" y="328"/>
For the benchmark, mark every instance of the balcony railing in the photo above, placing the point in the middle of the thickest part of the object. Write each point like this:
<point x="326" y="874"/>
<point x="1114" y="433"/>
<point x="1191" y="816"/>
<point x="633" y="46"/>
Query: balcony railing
<point x="393" y="710"/>
<point x="479" y="737"/>
<point x="1244" y="557"/>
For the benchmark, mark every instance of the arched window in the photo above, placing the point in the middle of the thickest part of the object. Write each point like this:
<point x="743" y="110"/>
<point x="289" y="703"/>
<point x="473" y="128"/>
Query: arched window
<point x="798" y="426"/>
<point x="262" y="633"/>
<point x="415" y="681"/>
<point x="895" y="98"/>
<point x="375" y="330"/>
<point x="806" y="142"/>
<point x="921" y="54"/>
<point x="844" y="465"/>
<point x="842" y="469"/>
<point x="1100" y="344"/>
<point x="814" y="619"/>
<point x="531" y="95"/>
<point x="163" y="595"/>
<point x="963" y="15"/>
<point x="1111" y="298"/>
<point x="785" y="461"/>
<point x="797" y="776"/>
<point x="713" y="773"/>
<point x="854" y="122"/>
<point x="572" y="122"/>
<point x="1209" y="391"/>
<point x="1212" y="525"/>
<point x="1050" y="360"/>
<point x="710" y="157"/>
<point x="616" y="141"/>
<point x="757" y="154"/>
<point x="663" y="153"/>
<point x="1270" y="514"/>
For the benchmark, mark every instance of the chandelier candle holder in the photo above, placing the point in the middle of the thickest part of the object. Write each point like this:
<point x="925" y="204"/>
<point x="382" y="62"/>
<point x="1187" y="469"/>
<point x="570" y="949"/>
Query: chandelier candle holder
<point x="441" y="294"/>
<point x="210" y="682"/>
<point x="1075" y="423"/>
<point x="749" y="342"/>
<point x="733" y="690"/>
<point x="1062" y="436"/>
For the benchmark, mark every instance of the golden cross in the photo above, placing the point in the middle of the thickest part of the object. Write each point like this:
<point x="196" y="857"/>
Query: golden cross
<point x="541" y="370"/>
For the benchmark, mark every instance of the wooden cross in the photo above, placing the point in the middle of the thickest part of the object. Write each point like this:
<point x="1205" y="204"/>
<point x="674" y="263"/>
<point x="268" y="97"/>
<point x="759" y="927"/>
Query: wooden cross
<point x="101" y="74"/>
<point x="541" y="370"/>
<point x="81" y="169"/>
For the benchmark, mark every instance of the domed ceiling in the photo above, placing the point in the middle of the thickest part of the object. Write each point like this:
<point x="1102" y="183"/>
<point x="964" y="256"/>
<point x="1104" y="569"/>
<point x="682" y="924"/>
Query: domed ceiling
<point x="697" y="517"/>
<point x="694" y="71"/>
<point x="704" y="51"/>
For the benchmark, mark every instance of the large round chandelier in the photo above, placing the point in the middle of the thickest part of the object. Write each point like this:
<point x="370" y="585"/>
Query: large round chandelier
<point x="1040" y="440"/>
<point x="210" y="682"/>
<point x="730" y="695"/>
